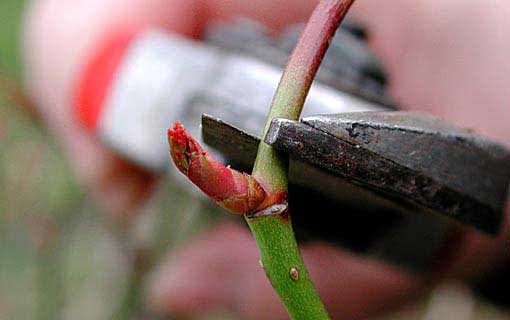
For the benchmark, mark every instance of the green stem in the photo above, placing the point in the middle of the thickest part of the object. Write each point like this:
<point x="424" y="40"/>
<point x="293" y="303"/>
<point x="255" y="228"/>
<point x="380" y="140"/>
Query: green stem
<point x="273" y="231"/>
<point x="282" y="262"/>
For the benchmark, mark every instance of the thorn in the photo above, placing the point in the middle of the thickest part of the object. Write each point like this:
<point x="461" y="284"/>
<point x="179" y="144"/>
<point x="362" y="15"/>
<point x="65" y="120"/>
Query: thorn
<point x="294" y="274"/>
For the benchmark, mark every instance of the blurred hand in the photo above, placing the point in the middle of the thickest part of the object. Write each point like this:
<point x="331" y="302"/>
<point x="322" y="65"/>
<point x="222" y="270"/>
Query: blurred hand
<point x="446" y="57"/>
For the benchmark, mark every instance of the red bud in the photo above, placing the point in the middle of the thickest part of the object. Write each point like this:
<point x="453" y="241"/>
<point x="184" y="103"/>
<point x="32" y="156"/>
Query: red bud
<point x="235" y="191"/>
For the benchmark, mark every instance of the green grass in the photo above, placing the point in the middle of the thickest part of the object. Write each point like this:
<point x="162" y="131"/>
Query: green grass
<point x="10" y="21"/>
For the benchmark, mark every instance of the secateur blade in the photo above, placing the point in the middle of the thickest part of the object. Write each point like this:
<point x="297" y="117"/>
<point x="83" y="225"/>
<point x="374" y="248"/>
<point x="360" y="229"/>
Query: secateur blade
<point x="390" y="168"/>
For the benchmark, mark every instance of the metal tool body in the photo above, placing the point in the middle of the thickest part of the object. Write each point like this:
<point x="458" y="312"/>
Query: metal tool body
<point x="415" y="158"/>
<point x="393" y="179"/>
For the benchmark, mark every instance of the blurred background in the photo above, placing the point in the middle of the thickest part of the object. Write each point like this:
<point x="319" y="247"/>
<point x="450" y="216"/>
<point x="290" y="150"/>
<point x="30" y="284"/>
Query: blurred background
<point x="61" y="258"/>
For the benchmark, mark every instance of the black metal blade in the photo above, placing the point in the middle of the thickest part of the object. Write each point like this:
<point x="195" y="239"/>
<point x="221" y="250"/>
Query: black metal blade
<point x="395" y="172"/>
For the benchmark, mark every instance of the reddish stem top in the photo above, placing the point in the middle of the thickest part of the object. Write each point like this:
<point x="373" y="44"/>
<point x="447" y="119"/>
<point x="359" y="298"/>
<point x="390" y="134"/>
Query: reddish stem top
<point x="295" y="84"/>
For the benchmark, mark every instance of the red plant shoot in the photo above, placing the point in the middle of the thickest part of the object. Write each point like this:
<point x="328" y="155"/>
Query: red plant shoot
<point x="235" y="191"/>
